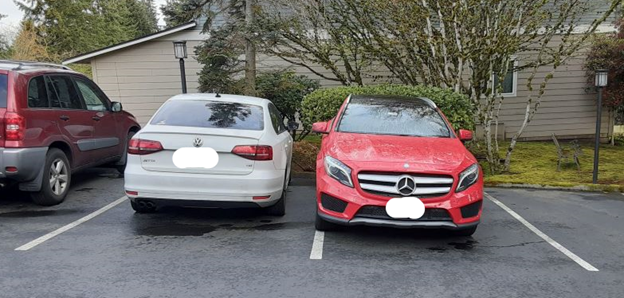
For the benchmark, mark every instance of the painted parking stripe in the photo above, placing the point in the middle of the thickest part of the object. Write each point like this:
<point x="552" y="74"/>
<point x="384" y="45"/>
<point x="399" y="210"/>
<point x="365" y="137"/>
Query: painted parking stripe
<point x="546" y="238"/>
<point x="317" y="246"/>
<point x="70" y="226"/>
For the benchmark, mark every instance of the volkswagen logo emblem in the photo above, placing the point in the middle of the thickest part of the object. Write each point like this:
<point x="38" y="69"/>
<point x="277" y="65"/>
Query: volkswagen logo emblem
<point x="198" y="142"/>
<point x="406" y="185"/>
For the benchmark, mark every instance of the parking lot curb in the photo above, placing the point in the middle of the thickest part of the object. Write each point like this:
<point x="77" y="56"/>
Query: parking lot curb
<point x="580" y="188"/>
<point x="304" y="175"/>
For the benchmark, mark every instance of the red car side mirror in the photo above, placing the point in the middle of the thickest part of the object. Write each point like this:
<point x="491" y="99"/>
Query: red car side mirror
<point x="320" y="127"/>
<point x="465" y="135"/>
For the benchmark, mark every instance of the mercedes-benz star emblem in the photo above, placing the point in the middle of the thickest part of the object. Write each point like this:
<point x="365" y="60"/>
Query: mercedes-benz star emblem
<point x="406" y="185"/>
<point x="198" y="142"/>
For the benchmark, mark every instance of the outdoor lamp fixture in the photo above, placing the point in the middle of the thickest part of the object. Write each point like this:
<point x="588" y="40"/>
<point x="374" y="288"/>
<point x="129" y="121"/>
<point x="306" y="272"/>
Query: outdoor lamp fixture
<point x="601" y="82"/>
<point x="179" y="49"/>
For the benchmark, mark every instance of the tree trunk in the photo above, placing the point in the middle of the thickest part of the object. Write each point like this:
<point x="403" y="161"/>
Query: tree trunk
<point x="250" y="51"/>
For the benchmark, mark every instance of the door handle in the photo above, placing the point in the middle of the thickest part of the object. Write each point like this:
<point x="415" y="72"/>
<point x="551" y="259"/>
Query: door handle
<point x="64" y="118"/>
<point x="96" y="118"/>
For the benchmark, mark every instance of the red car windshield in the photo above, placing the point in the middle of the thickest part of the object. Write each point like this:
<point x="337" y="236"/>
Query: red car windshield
<point x="392" y="116"/>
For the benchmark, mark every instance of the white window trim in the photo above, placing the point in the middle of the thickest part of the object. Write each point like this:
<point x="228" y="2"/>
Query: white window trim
<point x="514" y="83"/>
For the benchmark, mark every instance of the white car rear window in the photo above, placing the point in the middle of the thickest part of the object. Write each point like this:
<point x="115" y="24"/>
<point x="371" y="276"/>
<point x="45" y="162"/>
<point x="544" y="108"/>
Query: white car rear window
<point x="210" y="114"/>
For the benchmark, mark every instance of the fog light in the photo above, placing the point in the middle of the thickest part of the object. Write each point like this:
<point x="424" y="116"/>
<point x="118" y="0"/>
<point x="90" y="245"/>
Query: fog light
<point x="11" y="169"/>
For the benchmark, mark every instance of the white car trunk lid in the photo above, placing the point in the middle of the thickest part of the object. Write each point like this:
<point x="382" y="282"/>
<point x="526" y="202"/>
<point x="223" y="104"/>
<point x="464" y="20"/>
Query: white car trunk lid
<point x="221" y="140"/>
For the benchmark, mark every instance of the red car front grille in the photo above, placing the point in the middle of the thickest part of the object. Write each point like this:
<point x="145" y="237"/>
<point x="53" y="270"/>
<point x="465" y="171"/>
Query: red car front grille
<point x="385" y="184"/>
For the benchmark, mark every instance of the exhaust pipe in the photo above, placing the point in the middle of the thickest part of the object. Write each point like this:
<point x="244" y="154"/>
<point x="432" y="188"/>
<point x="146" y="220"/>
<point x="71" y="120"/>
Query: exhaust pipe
<point x="147" y="204"/>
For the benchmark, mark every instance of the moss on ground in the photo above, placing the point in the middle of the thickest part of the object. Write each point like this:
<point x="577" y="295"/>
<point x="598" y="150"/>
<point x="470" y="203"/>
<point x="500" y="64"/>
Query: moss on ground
<point x="536" y="163"/>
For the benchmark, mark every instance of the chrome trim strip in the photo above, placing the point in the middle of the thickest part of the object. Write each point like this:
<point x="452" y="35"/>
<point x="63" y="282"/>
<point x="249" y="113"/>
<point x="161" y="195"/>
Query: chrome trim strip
<point x="395" y="179"/>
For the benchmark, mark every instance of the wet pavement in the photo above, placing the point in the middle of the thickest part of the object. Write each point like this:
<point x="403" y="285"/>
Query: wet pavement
<point x="243" y="253"/>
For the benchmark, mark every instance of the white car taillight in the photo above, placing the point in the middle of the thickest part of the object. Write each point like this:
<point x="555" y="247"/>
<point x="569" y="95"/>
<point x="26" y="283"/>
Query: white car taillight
<point x="254" y="152"/>
<point x="144" y="147"/>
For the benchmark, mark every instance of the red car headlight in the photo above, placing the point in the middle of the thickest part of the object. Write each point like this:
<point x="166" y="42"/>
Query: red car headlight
<point x="338" y="170"/>
<point x="468" y="177"/>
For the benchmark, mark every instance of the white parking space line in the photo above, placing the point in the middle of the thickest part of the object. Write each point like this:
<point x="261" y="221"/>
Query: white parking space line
<point x="70" y="226"/>
<point x="317" y="246"/>
<point x="546" y="238"/>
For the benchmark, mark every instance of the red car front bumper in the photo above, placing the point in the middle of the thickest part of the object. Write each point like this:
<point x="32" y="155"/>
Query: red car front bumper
<point x="451" y="211"/>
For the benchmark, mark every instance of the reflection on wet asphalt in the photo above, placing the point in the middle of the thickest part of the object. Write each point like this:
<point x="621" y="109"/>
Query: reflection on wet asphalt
<point x="199" y="222"/>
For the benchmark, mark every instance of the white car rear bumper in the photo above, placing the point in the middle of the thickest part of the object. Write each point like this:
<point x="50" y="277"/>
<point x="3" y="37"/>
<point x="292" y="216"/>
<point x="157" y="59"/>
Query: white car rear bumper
<point x="204" y="187"/>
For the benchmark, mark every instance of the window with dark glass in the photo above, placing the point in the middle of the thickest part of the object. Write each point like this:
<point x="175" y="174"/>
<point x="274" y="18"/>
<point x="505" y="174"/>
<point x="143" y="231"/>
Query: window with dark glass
<point x="508" y="82"/>
<point x="94" y="101"/>
<point x="37" y="93"/>
<point x="210" y="114"/>
<point x="65" y="94"/>
<point x="277" y="119"/>
<point x="4" y="90"/>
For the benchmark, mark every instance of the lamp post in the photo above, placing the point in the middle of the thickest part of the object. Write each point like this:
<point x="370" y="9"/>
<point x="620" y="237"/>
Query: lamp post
<point x="601" y="82"/>
<point x="179" y="49"/>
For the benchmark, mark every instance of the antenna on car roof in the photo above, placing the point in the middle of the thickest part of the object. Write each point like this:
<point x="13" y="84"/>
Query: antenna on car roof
<point x="218" y="95"/>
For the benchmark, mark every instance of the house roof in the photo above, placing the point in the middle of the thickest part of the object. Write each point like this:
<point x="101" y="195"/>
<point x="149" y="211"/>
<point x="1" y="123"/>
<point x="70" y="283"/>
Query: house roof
<point x="129" y="43"/>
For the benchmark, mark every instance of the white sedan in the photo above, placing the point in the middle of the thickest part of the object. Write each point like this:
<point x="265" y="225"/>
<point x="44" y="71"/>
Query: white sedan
<point x="253" y="146"/>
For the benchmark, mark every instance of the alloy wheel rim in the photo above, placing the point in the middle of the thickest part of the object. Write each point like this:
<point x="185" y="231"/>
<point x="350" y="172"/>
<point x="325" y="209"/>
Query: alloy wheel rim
<point x="58" y="177"/>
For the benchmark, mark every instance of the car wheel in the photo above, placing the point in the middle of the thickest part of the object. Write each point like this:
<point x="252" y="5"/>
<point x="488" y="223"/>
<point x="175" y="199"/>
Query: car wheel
<point x="465" y="232"/>
<point x="122" y="168"/>
<point x="56" y="179"/>
<point x="142" y="207"/>
<point x="322" y="225"/>
<point x="279" y="209"/>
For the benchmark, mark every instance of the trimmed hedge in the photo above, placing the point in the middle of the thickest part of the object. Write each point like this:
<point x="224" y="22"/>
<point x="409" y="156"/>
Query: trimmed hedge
<point x="323" y="104"/>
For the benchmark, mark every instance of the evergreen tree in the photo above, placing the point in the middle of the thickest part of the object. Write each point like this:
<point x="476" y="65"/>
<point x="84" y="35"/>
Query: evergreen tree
<point x="143" y="15"/>
<point x="71" y="27"/>
<point x="230" y="28"/>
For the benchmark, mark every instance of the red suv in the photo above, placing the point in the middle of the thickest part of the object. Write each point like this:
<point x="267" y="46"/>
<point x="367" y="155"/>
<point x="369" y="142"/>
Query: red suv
<point x="380" y="149"/>
<point x="55" y="122"/>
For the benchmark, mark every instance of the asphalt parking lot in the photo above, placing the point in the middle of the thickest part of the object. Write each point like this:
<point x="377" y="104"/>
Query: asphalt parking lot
<point x="543" y="244"/>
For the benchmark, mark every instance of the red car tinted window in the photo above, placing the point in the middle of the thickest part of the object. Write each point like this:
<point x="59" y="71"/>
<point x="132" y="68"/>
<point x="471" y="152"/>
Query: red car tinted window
<point x="37" y="94"/>
<point x="65" y="93"/>
<point x="3" y="90"/>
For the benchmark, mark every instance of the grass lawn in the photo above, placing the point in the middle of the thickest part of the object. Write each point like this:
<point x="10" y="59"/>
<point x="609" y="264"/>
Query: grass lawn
<point x="536" y="163"/>
<point x="531" y="163"/>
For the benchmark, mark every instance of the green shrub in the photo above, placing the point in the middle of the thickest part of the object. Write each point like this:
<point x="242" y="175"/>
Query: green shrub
<point x="323" y="104"/>
<point x="285" y="89"/>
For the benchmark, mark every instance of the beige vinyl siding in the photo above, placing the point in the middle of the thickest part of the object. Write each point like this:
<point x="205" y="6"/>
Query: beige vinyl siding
<point x="568" y="106"/>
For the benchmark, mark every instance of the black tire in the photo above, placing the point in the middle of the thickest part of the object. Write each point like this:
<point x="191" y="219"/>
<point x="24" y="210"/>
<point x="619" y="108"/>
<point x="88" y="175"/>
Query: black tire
<point x="122" y="168"/>
<point x="59" y="176"/>
<point x="465" y="232"/>
<point x="322" y="225"/>
<point x="138" y="208"/>
<point x="279" y="209"/>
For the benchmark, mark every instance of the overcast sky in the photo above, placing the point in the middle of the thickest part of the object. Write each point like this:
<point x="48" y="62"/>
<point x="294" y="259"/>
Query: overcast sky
<point x="14" y="15"/>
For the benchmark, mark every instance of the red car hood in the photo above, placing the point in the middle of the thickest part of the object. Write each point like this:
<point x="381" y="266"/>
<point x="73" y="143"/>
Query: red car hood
<point x="388" y="152"/>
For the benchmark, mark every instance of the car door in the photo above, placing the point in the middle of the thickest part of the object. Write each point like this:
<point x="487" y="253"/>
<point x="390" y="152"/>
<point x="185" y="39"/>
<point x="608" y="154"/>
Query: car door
<point x="106" y="136"/>
<point x="283" y="148"/>
<point x="74" y="121"/>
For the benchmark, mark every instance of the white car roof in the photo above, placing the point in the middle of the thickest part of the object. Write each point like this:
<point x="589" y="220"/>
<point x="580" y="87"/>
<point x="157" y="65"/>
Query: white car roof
<point x="222" y="97"/>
